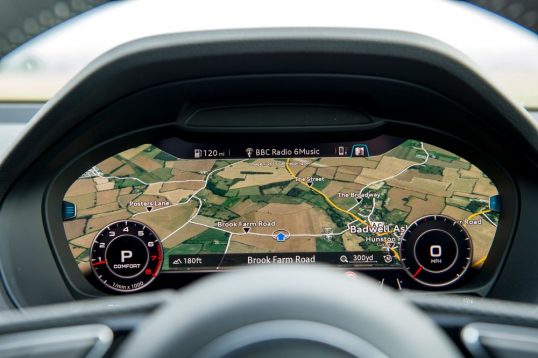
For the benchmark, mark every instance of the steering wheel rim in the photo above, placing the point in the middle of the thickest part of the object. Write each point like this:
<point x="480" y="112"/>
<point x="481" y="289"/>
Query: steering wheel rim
<point x="275" y="311"/>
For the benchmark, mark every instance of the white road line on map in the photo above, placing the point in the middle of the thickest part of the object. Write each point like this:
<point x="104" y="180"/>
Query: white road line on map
<point x="402" y="171"/>
<point x="360" y="214"/>
<point x="258" y="234"/>
<point x="491" y="221"/>
<point x="194" y="194"/>
<point x="354" y="206"/>
<point x="199" y="190"/>
<point x="268" y="235"/>
<point x="143" y="182"/>
<point x="225" y="251"/>
<point x="392" y="177"/>
<point x="291" y="235"/>
<point x="161" y="182"/>
<point x="187" y="222"/>
<point x="351" y="222"/>
<point x="371" y="212"/>
<point x="213" y="172"/>
<point x="344" y="231"/>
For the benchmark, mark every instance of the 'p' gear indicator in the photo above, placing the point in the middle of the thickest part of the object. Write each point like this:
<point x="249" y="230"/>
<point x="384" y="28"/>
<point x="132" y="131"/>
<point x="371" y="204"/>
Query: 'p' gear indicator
<point x="126" y="256"/>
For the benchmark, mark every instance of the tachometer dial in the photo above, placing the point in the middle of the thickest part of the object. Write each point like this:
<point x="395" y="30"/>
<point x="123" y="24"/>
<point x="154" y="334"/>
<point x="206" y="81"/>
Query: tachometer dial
<point x="126" y="256"/>
<point x="436" y="250"/>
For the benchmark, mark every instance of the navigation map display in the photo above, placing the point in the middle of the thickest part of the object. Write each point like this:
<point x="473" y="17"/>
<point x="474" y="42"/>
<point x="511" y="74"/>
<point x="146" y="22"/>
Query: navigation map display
<point x="210" y="207"/>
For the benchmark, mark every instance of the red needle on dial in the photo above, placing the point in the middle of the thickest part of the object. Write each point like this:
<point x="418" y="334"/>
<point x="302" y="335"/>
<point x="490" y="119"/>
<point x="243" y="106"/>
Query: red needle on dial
<point x="99" y="263"/>
<point x="418" y="271"/>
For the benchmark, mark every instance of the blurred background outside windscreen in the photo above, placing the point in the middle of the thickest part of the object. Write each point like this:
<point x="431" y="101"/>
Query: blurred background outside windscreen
<point x="506" y="52"/>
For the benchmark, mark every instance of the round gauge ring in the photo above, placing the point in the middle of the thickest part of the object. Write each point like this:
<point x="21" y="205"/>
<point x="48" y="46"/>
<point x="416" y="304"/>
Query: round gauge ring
<point x="126" y="256"/>
<point x="436" y="250"/>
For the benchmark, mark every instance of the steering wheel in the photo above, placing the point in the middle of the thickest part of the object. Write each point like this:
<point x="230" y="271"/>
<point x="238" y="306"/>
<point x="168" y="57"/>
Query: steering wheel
<point x="284" y="312"/>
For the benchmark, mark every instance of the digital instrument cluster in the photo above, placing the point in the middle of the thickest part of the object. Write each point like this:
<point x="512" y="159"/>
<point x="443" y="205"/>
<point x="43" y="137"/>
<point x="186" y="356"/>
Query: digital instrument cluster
<point x="408" y="213"/>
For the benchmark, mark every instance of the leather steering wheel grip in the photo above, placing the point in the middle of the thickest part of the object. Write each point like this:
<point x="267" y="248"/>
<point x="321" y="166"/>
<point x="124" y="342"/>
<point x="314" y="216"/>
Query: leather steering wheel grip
<point x="288" y="311"/>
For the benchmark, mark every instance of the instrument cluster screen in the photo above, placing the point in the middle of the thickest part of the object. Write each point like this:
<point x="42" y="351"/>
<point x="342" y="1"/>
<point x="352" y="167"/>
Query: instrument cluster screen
<point x="387" y="203"/>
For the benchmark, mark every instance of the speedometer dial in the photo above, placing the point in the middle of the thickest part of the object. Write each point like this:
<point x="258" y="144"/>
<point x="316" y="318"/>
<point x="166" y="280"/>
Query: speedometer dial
<point x="126" y="256"/>
<point x="436" y="250"/>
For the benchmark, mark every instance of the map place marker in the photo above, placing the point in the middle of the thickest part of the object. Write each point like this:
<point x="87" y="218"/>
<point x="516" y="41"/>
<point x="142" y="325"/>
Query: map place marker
<point x="246" y="229"/>
<point x="149" y="208"/>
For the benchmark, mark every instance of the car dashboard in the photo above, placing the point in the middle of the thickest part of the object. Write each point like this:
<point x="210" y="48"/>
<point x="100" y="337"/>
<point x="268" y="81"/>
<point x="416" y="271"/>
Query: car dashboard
<point x="384" y="154"/>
